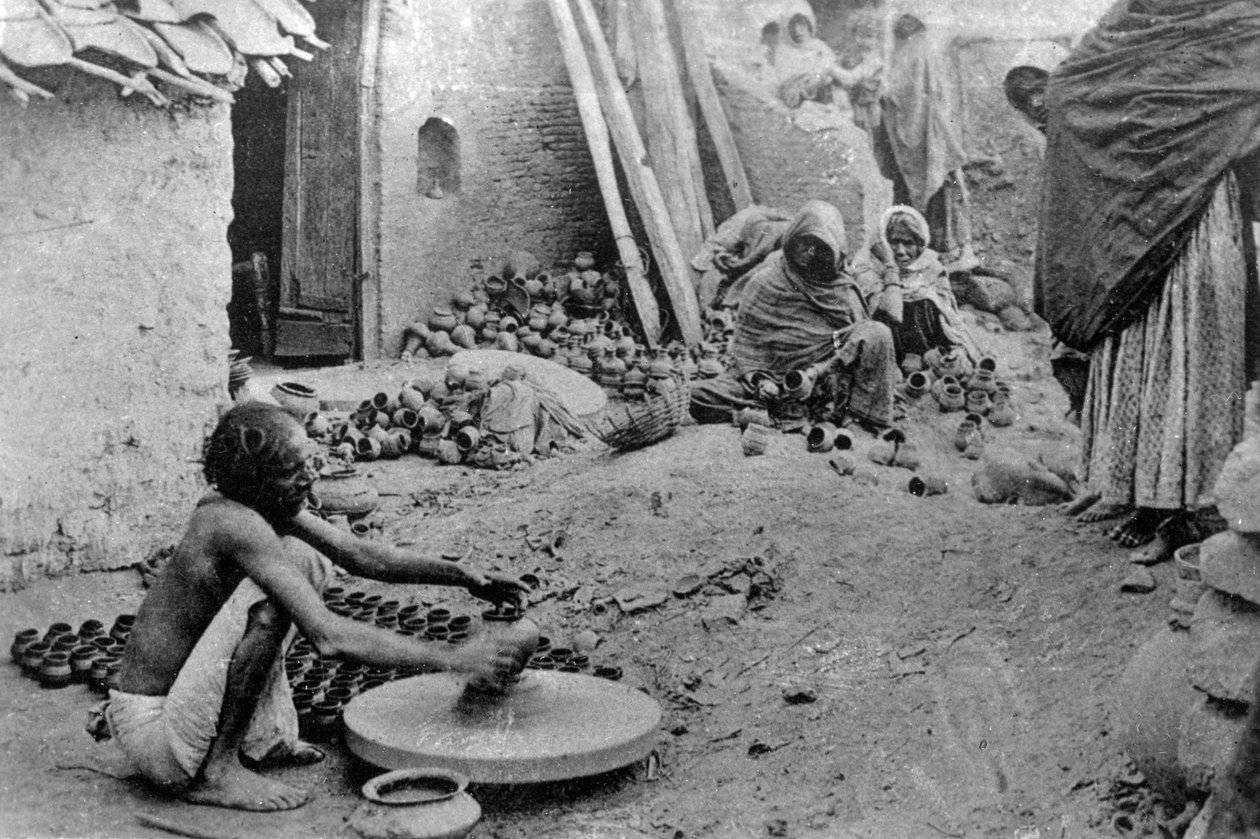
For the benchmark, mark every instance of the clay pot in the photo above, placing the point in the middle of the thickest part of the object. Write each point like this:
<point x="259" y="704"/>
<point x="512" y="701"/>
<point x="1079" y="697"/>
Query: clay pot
<point x="1189" y="585"/>
<point x="464" y="336"/>
<point x="442" y="319"/>
<point x="417" y="803"/>
<point x="821" y="438"/>
<point x="507" y="342"/>
<point x="55" y="670"/>
<point x="476" y="316"/>
<point x="977" y="402"/>
<point x="463" y="300"/>
<point x="396" y="444"/>
<point x="405" y="418"/>
<point x="1001" y="414"/>
<point x="917" y="384"/>
<point x="21" y="641"/>
<point x="951" y="397"/>
<point x="604" y="671"/>
<point x="122" y="626"/>
<point x="755" y="440"/>
<point x="521" y="264"/>
<point x="930" y="485"/>
<point x="431" y="419"/>
<point x="440" y="344"/>
<point x="91" y="628"/>
<point x="448" y="452"/>
<point x="296" y="398"/>
<point x="467" y="438"/>
<point x="584" y="261"/>
<point x="368" y="449"/>
<point x="98" y="676"/>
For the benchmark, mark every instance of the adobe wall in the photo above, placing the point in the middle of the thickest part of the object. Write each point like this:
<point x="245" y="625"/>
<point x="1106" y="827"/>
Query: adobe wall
<point x="495" y="71"/>
<point x="114" y="271"/>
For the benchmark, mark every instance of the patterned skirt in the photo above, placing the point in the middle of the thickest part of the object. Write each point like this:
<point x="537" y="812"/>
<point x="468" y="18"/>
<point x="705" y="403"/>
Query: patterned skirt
<point x="1164" y="404"/>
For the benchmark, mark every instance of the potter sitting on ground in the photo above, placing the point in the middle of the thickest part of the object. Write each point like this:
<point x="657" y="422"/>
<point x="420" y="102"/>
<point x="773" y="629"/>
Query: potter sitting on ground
<point x="202" y="686"/>
<point x="802" y="320"/>
<point x="914" y="296"/>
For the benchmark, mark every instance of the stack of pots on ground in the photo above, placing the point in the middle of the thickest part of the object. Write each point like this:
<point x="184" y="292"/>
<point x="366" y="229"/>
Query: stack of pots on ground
<point x="570" y="317"/>
<point x="955" y="384"/>
<point x="62" y="656"/>
<point x="1183" y="698"/>
<point x="429" y="416"/>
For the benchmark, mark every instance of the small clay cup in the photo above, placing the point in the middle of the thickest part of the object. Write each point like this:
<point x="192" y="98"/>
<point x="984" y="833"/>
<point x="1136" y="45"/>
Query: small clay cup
<point x="91" y="628"/>
<point x="121" y="629"/>
<point x="438" y="615"/>
<point x="569" y="668"/>
<point x="57" y="630"/>
<point x="755" y="440"/>
<point x="927" y="485"/>
<point x="459" y="623"/>
<point x="438" y="632"/>
<point x="417" y="625"/>
<point x="605" y="671"/>
<point x="579" y="661"/>
<point x="355" y="598"/>
<point x="821" y="438"/>
<point x="542" y="662"/>
<point x="33" y="657"/>
<point x="410" y="611"/>
<point x="22" y="640"/>
<point x="561" y="654"/>
<point x="55" y="670"/>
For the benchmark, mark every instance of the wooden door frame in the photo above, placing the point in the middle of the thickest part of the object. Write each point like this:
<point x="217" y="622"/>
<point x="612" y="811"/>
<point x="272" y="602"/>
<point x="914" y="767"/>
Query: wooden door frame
<point x="367" y="315"/>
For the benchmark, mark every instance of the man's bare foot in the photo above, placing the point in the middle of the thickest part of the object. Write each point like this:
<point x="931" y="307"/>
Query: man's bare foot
<point x="1102" y="511"/>
<point x="1139" y="528"/>
<point x="241" y="789"/>
<point x="1080" y="505"/>
<point x="298" y="753"/>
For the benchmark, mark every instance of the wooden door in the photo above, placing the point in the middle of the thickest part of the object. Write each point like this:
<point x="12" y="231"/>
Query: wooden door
<point x="320" y="260"/>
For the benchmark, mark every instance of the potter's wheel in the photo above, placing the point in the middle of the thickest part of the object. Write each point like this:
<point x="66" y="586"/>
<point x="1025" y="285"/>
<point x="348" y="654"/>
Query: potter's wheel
<point x="576" y="392"/>
<point x="550" y="727"/>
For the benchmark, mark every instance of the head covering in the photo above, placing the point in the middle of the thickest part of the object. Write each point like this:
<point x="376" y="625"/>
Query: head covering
<point x="823" y="222"/>
<point x="785" y="321"/>
<point x="904" y="218"/>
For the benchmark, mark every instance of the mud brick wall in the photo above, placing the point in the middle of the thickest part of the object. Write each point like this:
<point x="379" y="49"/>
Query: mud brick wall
<point x="114" y="276"/>
<point x="493" y="70"/>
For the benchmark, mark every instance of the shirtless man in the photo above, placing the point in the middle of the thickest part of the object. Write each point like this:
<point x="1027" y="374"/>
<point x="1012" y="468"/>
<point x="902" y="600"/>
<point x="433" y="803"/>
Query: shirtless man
<point x="202" y="685"/>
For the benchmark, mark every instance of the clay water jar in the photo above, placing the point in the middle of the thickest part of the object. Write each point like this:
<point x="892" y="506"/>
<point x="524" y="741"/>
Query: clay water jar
<point x="296" y="398"/>
<point x="442" y="319"/>
<point x="22" y="640"/>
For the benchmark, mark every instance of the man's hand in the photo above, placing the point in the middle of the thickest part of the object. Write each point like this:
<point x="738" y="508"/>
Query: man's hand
<point x="880" y="251"/>
<point x="484" y="658"/>
<point x="497" y="588"/>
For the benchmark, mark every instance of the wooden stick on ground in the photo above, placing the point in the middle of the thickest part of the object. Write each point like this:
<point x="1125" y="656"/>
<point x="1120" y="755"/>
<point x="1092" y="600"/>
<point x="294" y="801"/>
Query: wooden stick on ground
<point x="711" y="105"/>
<point x="149" y="820"/>
<point x="601" y="153"/>
<point x="676" y="272"/>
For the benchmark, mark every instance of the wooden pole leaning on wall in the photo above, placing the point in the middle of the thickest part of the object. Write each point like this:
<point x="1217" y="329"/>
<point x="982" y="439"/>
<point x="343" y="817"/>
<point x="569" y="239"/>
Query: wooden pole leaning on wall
<point x="600" y="144"/>
<point x="701" y="76"/>
<point x="669" y="129"/>
<point x="676" y="273"/>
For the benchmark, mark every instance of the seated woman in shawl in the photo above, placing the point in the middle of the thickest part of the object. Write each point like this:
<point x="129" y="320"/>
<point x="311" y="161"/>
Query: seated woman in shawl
<point x="802" y="312"/>
<point x="916" y="300"/>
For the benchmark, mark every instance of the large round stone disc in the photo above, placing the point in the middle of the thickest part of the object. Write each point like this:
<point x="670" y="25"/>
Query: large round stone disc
<point x="549" y="727"/>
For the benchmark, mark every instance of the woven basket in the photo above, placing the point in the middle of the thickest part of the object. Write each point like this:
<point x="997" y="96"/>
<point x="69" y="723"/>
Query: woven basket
<point x="640" y="424"/>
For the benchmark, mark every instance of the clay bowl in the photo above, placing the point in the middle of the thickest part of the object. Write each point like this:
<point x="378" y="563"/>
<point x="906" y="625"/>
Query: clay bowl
<point x="404" y="787"/>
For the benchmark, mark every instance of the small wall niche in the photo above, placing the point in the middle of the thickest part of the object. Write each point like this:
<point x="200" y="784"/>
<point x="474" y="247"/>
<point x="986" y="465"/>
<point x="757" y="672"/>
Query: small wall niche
<point x="437" y="158"/>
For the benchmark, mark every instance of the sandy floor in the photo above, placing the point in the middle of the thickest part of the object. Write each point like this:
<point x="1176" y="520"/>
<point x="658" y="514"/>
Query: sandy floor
<point x="961" y="654"/>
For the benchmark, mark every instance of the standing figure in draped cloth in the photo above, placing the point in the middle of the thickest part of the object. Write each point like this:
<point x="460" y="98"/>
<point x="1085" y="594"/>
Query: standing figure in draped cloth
<point x="1146" y="259"/>
<point x="918" y="144"/>
<point x="802" y="312"/>
<point x="915" y="297"/>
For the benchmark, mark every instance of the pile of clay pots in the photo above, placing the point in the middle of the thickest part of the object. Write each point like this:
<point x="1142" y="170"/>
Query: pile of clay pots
<point x="322" y="685"/>
<point x="431" y="417"/>
<point x="62" y="656"/>
<point x="572" y="318"/>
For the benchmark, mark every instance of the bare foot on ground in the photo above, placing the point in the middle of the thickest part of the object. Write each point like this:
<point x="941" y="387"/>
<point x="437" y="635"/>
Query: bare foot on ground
<point x="1102" y="511"/>
<point x="300" y="753"/>
<point x="241" y="789"/>
<point x="1137" y="529"/>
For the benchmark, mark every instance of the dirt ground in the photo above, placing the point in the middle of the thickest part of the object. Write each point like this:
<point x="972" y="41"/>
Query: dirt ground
<point x="961" y="655"/>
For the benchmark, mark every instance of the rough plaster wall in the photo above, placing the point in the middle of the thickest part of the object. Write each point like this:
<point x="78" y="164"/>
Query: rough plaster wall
<point x="494" y="69"/>
<point x="114" y="271"/>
